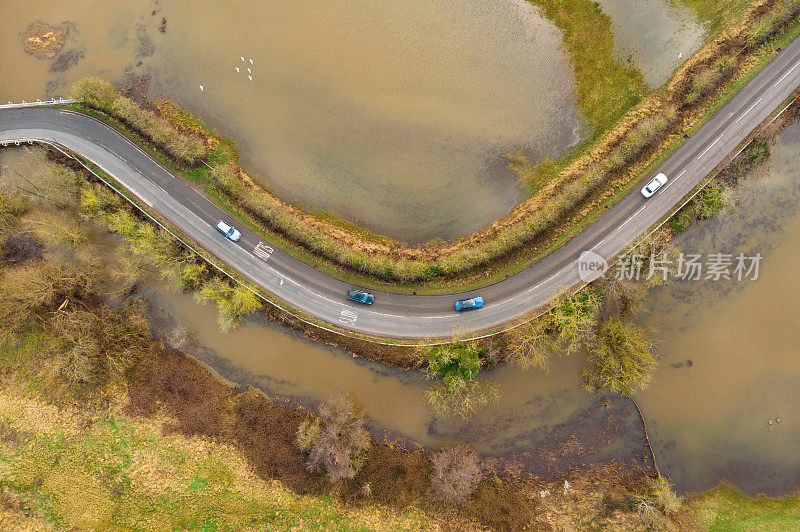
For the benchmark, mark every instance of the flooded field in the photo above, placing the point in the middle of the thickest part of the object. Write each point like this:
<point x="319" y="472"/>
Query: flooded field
<point x="656" y="35"/>
<point x="730" y="350"/>
<point x="545" y="420"/>
<point x="394" y="115"/>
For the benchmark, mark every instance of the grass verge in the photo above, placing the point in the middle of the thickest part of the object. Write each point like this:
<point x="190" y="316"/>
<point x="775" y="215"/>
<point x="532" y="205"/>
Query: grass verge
<point x="536" y="228"/>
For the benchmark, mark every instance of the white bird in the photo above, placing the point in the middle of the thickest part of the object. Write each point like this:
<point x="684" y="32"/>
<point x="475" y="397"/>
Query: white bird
<point x="680" y="55"/>
<point x="202" y="88"/>
<point x="251" y="78"/>
<point x="237" y="69"/>
<point x="242" y="58"/>
<point x="251" y="61"/>
<point x="248" y="71"/>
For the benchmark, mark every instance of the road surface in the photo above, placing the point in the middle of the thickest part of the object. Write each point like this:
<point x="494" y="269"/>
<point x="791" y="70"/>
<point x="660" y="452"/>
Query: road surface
<point x="407" y="316"/>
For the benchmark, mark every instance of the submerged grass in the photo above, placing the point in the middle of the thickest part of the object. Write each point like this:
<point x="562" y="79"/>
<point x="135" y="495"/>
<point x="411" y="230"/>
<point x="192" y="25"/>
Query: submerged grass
<point x="715" y="14"/>
<point x="607" y="87"/>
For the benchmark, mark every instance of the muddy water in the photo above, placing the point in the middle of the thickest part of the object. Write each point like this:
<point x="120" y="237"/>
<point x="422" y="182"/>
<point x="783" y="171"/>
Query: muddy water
<point x="545" y="420"/>
<point x="394" y="114"/>
<point x="655" y="35"/>
<point x="730" y="350"/>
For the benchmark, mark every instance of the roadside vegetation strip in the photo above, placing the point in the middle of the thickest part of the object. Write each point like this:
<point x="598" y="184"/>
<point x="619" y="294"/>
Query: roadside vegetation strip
<point x="576" y="190"/>
<point x="187" y="148"/>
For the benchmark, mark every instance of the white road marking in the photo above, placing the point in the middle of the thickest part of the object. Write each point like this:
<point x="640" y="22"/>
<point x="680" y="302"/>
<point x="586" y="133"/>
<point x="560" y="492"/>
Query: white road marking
<point x="751" y="108"/>
<point x="263" y="251"/>
<point x="673" y="180"/>
<point x="784" y="76"/>
<point x="712" y="145"/>
<point x="626" y="222"/>
<point x="348" y="317"/>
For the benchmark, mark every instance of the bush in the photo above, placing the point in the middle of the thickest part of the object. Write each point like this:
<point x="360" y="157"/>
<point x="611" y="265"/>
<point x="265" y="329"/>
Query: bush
<point x="574" y="318"/>
<point x="456" y="473"/>
<point x="307" y="433"/>
<point x="458" y="364"/>
<point x="97" y="347"/>
<point x="101" y="95"/>
<point x="621" y="360"/>
<point x="233" y="302"/>
<point x="337" y="443"/>
<point x="455" y="363"/>
<point x="28" y="290"/>
<point x="465" y="400"/>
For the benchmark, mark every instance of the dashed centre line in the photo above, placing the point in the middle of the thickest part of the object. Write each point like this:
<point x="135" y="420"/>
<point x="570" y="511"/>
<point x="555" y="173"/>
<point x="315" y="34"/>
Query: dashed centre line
<point x="751" y="108"/>
<point x="712" y="145"/>
<point x="784" y="76"/>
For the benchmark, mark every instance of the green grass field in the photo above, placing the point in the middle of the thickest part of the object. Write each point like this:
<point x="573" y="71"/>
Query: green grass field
<point x="726" y="509"/>
<point x="62" y="468"/>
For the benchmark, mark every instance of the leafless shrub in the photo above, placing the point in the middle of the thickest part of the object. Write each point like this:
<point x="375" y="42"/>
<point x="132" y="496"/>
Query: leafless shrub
<point x="27" y="290"/>
<point x="340" y="444"/>
<point x="456" y="474"/>
<point x="98" y="346"/>
<point x="531" y="345"/>
<point x="42" y="183"/>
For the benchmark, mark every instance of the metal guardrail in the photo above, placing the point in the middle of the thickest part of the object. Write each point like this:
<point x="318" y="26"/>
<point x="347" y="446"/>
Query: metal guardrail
<point x="541" y="311"/>
<point x="18" y="142"/>
<point x="53" y="101"/>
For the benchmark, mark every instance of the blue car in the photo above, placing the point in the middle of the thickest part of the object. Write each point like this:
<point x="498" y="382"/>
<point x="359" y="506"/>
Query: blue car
<point x="360" y="297"/>
<point x="469" y="304"/>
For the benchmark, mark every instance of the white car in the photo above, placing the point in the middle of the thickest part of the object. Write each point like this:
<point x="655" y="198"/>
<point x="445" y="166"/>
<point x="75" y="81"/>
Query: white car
<point x="656" y="183"/>
<point x="228" y="231"/>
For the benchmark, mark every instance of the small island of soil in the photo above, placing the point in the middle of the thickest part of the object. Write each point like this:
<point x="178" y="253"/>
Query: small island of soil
<point x="44" y="41"/>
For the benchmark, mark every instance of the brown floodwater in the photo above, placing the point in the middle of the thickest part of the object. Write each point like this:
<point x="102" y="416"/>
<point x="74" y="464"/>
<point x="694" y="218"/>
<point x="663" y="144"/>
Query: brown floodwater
<point x="544" y="419"/>
<point x="393" y="114"/>
<point x="730" y="350"/>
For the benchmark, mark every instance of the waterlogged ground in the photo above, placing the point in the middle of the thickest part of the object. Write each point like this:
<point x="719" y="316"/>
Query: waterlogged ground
<point x="394" y="115"/>
<point x="657" y="36"/>
<point x="546" y="422"/>
<point x="730" y="350"/>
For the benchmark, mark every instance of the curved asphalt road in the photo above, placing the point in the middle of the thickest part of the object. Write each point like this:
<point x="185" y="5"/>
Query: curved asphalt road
<point x="405" y="316"/>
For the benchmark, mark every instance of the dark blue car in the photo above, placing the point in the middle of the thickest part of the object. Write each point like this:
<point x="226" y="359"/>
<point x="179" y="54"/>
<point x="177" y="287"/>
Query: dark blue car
<point x="469" y="304"/>
<point x="360" y="297"/>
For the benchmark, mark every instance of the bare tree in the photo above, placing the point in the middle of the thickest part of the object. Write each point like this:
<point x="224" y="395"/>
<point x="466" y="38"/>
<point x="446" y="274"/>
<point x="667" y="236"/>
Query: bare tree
<point x="456" y="474"/>
<point x="338" y="442"/>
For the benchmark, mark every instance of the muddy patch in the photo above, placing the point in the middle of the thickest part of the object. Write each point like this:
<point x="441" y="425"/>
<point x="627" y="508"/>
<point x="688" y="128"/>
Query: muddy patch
<point x="44" y="41"/>
<point x="65" y="60"/>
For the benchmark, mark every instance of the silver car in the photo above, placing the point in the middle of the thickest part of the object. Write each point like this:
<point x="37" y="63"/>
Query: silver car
<point x="656" y="183"/>
<point x="228" y="231"/>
